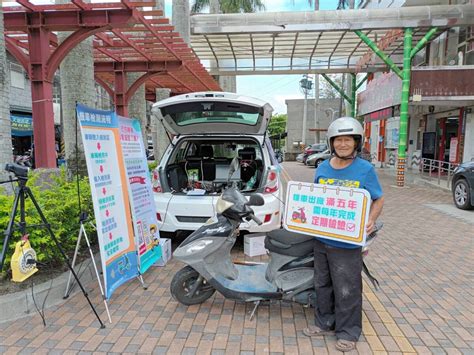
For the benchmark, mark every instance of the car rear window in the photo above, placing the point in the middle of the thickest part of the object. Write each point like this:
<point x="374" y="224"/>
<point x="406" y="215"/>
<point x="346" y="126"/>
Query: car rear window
<point x="213" y="112"/>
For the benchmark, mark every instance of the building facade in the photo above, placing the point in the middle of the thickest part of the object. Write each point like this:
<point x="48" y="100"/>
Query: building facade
<point x="316" y="125"/>
<point x="441" y="109"/>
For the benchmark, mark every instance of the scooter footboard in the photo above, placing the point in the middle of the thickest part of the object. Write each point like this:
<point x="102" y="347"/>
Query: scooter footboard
<point x="250" y="285"/>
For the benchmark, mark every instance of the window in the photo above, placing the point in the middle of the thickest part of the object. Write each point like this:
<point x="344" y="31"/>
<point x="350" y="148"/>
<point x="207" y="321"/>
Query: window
<point x="17" y="76"/>
<point x="56" y="92"/>
<point x="212" y="112"/>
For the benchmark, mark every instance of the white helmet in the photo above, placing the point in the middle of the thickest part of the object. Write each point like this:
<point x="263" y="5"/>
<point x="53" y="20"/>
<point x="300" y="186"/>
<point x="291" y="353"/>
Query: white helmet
<point x="345" y="126"/>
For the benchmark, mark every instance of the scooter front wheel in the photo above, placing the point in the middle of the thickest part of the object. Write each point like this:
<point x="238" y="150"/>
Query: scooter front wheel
<point x="188" y="288"/>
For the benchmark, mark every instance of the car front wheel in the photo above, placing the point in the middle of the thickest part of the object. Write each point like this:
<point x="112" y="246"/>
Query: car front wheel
<point x="318" y="163"/>
<point x="461" y="195"/>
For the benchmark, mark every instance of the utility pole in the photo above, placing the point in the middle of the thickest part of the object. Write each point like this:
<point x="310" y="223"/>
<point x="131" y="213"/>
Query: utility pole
<point x="305" y="85"/>
<point x="343" y="88"/>
<point x="317" y="136"/>
<point x="346" y="82"/>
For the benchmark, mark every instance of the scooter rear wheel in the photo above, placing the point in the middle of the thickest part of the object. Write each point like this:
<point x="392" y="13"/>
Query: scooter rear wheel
<point x="183" y="283"/>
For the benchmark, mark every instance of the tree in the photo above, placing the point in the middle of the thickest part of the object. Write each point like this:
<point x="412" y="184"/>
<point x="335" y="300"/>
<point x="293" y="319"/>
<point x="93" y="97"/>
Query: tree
<point x="326" y="91"/>
<point x="344" y="4"/>
<point x="230" y="6"/>
<point x="277" y="124"/>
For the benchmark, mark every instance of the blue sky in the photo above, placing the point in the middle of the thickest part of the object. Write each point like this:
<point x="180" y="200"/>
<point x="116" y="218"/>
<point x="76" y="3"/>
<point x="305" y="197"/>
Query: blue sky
<point x="277" y="88"/>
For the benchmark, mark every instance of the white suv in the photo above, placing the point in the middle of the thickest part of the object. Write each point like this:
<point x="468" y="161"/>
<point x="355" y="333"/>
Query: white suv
<point x="213" y="131"/>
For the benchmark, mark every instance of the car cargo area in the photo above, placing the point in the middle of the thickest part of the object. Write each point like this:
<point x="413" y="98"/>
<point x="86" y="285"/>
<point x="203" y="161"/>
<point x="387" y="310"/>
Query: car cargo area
<point x="202" y="166"/>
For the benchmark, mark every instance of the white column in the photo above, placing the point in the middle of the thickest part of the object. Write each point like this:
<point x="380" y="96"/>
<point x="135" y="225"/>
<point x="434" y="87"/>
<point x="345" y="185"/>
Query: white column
<point x="6" y="155"/>
<point x="180" y="18"/>
<point x="158" y="132"/>
<point x="77" y="85"/>
<point x="227" y="83"/>
<point x="137" y="104"/>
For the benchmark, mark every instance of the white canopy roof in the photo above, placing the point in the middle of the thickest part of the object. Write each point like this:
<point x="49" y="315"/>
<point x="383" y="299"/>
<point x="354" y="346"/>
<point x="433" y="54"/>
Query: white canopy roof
<point x="313" y="42"/>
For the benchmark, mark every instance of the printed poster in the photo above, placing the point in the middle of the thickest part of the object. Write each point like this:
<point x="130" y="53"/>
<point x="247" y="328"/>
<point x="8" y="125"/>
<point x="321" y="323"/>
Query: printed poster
<point x="453" y="149"/>
<point x="140" y="192"/>
<point x="107" y="177"/>
<point x="327" y="211"/>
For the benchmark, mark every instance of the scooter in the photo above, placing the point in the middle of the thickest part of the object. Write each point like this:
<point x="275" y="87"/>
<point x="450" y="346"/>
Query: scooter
<point x="288" y="275"/>
<point x="299" y="216"/>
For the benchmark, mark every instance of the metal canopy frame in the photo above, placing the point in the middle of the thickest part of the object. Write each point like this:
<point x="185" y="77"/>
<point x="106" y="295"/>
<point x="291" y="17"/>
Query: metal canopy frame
<point x="314" y="42"/>
<point x="146" y="36"/>
<point x="327" y="42"/>
<point x="127" y="38"/>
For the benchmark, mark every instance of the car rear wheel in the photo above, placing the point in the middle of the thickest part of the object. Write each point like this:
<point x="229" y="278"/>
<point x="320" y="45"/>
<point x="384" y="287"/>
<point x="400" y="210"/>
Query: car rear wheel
<point x="461" y="195"/>
<point x="318" y="162"/>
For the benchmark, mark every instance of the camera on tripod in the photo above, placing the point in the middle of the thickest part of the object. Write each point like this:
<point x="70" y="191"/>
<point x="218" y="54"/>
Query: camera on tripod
<point x="20" y="172"/>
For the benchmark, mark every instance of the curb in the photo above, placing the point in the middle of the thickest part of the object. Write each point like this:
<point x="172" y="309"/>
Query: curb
<point x="20" y="304"/>
<point x="428" y="183"/>
<point x="415" y="179"/>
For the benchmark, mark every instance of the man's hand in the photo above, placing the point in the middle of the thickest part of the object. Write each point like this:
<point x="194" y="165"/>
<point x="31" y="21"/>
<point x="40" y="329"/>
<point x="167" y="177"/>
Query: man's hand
<point x="370" y="226"/>
<point x="375" y="210"/>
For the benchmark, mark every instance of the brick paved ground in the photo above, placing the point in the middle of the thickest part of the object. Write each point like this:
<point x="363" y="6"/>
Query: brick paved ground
<point x="423" y="259"/>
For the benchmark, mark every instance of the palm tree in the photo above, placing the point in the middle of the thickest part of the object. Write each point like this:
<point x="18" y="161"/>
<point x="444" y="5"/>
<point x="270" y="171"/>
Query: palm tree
<point x="230" y="6"/>
<point x="341" y="4"/>
<point x="344" y="4"/>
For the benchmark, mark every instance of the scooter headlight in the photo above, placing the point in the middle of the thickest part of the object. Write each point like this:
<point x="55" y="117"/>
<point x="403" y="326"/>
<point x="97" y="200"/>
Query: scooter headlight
<point x="222" y="205"/>
<point x="198" y="245"/>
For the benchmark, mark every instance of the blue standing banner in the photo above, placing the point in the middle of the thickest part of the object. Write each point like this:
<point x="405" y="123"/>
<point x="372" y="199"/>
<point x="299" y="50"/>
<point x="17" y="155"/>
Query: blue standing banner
<point x="108" y="180"/>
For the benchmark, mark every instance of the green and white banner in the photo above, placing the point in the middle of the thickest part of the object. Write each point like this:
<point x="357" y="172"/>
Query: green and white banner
<point x="140" y="192"/>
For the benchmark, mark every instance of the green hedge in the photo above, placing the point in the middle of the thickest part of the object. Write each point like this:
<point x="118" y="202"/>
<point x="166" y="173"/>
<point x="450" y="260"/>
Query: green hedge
<point x="152" y="165"/>
<point x="57" y="197"/>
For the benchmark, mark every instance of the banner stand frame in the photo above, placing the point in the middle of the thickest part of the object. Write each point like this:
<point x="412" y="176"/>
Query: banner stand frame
<point x="82" y="231"/>
<point x="140" y="278"/>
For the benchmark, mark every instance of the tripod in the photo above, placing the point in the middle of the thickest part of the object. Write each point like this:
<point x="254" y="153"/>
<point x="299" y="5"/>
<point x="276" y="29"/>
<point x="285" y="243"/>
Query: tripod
<point x="21" y="193"/>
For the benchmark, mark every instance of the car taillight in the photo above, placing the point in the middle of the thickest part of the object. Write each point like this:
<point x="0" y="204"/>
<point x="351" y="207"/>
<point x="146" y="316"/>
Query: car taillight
<point x="271" y="185"/>
<point x="267" y="218"/>
<point x="155" y="182"/>
<point x="158" y="217"/>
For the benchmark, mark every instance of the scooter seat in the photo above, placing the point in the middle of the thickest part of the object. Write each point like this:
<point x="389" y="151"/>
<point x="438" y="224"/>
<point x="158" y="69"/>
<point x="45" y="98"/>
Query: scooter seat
<point x="281" y="241"/>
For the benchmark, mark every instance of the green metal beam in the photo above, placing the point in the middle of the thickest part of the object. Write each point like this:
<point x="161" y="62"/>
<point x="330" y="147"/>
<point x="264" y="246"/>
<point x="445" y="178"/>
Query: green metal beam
<point x="362" y="81"/>
<point x="379" y="53"/>
<point x="423" y="41"/>
<point x="338" y="89"/>
<point x="403" y="132"/>
<point x="353" y="94"/>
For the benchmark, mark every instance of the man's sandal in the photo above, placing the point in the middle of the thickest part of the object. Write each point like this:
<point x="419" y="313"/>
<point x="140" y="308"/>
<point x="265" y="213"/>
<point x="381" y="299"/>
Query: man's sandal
<point x="314" y="331"/>
<point x="345" y="345"/>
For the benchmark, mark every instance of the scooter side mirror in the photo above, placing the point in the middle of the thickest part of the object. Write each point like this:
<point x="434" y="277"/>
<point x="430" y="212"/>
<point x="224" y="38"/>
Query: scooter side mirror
<point x="256" y="200"/>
